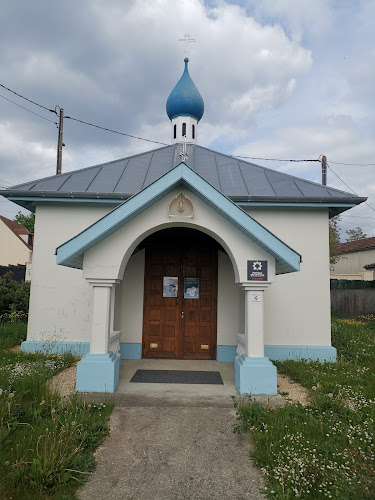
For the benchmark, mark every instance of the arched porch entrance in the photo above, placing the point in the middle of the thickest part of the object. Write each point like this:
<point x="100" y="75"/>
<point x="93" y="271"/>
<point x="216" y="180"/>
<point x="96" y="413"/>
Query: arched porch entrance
<point x="180" y="295"/>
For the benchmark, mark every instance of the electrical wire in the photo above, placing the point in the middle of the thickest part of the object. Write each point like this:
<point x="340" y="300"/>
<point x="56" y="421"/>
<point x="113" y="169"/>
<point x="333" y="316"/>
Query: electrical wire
<point x="158" y="142"/>
<point x="29" y="110"/>
<point x="353" y="164"/>
<point x="114" y="131"/>
<point x="351" y="189"/>
<point x="27" y="99"/>
<point x="272" y="159"/>
<point x="70" y="117"/>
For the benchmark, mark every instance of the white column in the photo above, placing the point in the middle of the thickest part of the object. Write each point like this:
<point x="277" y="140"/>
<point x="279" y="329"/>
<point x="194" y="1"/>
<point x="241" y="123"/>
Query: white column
<point x="254" y="324"/>
<point x="102" y="315"/>
<point x="251" y="344"/>
<point x="253" y="372"/>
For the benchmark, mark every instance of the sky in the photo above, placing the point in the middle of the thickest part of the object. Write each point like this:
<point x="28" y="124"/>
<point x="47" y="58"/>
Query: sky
<point x="281" y="79"/>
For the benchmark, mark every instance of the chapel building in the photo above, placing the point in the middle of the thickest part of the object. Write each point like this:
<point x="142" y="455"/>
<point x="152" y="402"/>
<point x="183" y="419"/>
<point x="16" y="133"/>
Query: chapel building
<point x="181" y="253"/>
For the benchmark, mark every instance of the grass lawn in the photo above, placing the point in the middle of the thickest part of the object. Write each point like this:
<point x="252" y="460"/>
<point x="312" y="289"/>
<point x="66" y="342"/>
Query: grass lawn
<point x="325" y="449"/>
<point x="46" y="443"/>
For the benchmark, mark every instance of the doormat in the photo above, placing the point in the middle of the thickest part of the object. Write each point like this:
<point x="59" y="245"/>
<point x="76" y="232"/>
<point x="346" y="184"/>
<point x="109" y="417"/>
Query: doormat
<point x="176" y="377"/>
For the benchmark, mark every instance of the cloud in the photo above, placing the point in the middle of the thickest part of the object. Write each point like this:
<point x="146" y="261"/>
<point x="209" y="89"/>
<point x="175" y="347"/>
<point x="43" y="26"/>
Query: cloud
<point x="301" y="19"/>
<point x="115" y="65"/>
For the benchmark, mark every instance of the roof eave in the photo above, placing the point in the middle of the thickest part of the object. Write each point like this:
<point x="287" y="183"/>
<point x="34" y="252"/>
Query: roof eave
<point x="333" y="201"/>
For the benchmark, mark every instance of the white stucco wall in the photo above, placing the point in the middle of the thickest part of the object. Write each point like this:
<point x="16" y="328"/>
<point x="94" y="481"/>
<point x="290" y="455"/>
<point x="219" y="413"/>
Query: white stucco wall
<point x="12" y="250"/>
<point x="230" y="313"/>
<point x="132" y="299"/>
<point x="353" y="262"/>
<point x="59" y="296"/>
<point x="297" y="305"/>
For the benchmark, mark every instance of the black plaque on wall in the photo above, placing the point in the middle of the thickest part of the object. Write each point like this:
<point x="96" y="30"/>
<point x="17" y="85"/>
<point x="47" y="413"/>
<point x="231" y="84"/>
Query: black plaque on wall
<point x="256" y="270"/>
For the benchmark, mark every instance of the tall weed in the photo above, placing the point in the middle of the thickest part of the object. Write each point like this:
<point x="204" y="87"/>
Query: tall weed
<point x="46" y="443"/>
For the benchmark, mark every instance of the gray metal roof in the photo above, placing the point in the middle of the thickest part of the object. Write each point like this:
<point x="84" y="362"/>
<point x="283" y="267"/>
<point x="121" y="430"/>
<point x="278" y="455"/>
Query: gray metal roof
<point x="239" y="180"/>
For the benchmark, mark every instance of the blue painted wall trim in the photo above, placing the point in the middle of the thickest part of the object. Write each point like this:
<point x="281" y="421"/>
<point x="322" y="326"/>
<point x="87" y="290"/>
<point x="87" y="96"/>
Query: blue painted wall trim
<point x="282" y="352"/>
<point x="226" y="352"/>
<point x="76" y="348"/>
<point x="131" y="351"/>
<point x="309" y="352"/>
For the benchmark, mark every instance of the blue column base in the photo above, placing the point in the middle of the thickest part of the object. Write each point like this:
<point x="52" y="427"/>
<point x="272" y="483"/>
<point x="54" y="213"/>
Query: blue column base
<point x="98" y="373"/>
<point x="255" y="376"/>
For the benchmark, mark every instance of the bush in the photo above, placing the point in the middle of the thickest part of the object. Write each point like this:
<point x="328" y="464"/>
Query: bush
<point x="14" y="296"/>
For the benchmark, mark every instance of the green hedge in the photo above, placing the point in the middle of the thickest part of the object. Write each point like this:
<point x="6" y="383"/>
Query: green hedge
<point x="351" y="285"/>
<point x="14" y="296"/>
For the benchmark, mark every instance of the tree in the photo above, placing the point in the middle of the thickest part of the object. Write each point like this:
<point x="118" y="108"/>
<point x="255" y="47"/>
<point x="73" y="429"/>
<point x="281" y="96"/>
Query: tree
<point x="355" y="234"/>
<point x="334" y="239"/>
<point x="26" y="220"/>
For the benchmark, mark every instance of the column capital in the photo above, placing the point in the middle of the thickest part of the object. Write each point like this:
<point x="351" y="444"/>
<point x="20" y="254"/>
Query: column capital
<point x="255" y="285"/>
<point x="102" y="282"/>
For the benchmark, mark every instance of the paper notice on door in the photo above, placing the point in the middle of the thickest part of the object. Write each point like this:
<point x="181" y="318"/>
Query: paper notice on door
<point x="191" y="288"/>
<point x="170" y="286"/>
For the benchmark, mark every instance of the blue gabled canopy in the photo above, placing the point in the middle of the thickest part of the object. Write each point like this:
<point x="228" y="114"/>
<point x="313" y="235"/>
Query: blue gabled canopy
<point x="71" y="253"/>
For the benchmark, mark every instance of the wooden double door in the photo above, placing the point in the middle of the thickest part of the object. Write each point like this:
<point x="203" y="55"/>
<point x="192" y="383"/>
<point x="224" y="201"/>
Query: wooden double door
<point x="180" y="296"/>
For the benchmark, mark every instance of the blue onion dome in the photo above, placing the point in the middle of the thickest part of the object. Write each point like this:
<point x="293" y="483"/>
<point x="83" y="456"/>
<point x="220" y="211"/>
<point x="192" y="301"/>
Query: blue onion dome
<point x="185" y="99"/>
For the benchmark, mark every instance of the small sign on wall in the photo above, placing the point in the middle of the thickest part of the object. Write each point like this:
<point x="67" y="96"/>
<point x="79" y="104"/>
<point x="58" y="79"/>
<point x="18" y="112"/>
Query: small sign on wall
<point x="257" y="270"/>
<point x="256" y="298"/>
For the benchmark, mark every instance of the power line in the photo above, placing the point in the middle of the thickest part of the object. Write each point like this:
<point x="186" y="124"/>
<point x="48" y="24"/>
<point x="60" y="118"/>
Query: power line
<point x="318" y="160"/>
<point x="271" y="159"/>
<point x="372" y="208"/>
<point x="158" y="142"/>
<point x="6" y="182"/>
<point x="114" y="131"/>
<point x="353" y="164"/>
<point x="29" y="110"/>
<point x="70" y="117"/>
<point x="29" y="100"/>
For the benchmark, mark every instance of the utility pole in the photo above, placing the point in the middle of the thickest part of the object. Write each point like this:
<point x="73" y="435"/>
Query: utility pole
<point x="60" y="143"/>
<point x="324" y="170"/>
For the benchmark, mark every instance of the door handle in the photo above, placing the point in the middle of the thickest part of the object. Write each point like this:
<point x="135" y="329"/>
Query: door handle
<point x="182" y="315"/>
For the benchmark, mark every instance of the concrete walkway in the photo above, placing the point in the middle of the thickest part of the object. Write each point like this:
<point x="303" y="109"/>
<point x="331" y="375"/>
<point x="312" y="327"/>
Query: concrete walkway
<point x="171" y="443"/>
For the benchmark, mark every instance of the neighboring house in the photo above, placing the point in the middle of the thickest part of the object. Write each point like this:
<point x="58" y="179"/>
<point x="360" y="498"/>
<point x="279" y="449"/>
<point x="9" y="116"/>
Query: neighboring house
<point x="182" y="252"/>
<point x="355" y="260"/>
<point x="16" y="245"/>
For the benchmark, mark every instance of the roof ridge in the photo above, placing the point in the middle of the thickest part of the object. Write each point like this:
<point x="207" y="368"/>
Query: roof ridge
<point x="88" y="168"/>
